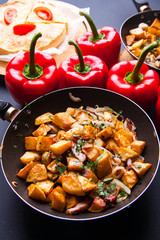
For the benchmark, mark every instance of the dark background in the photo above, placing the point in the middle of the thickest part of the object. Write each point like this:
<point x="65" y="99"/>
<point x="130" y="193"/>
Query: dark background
<point x="140" y="221"/>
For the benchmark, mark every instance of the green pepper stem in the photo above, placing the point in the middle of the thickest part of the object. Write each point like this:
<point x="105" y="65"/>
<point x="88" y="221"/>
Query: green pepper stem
<point x="91" y="24"/>
<point x="81" y="68"/>
<point x="134" y="76"/>
<point x="32" y="68"/>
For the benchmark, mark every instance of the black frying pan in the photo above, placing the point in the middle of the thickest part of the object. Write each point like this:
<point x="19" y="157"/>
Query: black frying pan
<point x="146" y="15"/>
<point x="23" y="125"/>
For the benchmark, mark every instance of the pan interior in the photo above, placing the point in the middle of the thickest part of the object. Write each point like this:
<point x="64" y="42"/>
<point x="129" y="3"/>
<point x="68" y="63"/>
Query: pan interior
<point x="13" y="143"/>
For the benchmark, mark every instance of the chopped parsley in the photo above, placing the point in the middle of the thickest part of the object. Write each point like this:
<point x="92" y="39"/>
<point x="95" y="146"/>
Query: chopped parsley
<point x="61" y="169"/>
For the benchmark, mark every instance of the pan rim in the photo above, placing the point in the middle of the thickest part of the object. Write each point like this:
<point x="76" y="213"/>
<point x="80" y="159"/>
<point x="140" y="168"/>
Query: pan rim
<point x="105" y="212"/>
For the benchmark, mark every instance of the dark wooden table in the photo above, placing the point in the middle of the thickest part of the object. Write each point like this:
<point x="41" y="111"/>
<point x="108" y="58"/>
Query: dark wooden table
<point x="141" y="221"/>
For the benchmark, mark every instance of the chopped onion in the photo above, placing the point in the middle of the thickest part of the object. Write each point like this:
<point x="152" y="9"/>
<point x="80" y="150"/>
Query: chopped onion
<point x="74" y="99"/>
<point x="120" y="184"/>
<point x="118" y="171"/>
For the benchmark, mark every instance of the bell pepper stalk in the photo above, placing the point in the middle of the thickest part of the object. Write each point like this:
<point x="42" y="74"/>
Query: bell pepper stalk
<point x="135" y="80"/>
<point x="82" y="70"/>
<point x="31" y="75"/>
<point x="104" y="43"/>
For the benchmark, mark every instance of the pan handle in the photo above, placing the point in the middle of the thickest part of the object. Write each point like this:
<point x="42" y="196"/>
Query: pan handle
<point x="142" y="5"/>
<point x="7" y="111"/>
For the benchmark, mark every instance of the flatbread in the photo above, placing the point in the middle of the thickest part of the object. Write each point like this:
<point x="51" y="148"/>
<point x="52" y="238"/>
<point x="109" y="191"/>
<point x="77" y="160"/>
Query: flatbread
<point x="23" y="9"/>
<point x="52" y="35"/>
<point x="58" y="15"/>
<point x="53" y="32"/>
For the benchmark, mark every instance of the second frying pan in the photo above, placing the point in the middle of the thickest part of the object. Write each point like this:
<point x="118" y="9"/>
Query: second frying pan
<point x="146" y="15"/>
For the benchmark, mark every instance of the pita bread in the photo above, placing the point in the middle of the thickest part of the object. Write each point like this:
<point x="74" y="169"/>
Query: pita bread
<point x="52" y="35"/>
<point x="23" y="9"/>
<point x="58" y="15"/>
<point x="53" y="32"/>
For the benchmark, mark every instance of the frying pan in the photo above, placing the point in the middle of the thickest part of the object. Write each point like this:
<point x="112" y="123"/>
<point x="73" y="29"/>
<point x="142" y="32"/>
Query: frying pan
<point x="23" y="125"/>
<point x="147" y="16"/>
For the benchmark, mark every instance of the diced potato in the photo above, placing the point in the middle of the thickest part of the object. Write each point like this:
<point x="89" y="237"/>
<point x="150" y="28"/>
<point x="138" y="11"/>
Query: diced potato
<point x="136" y="44"/>
<point x="71" y="201"/>
<point x="130" y="39"/>
<point x="156" y="23"/>
<point x="120" y="139"/>
<point x="91" y="152"/>
<point x="126" y="153"/>
<point x="58" y="199"/>
<point x="141" y="168"/>
<point x="104" y="165"/>
<point x="99" y="142"/>
<point x="60" y="147"/>
<point x="138" y="146"/>
<point x="41" y="131"/>
<point x="52" y="166"/>
<point x="58" y="189"/>
<point x="137" y="52"/>
<point x="52" y="176"/>
<point x="60" y="135"/>
<point x="128" y="135"/>
<point x="158" y="33"/>
<point x="86" y="184"/>
<point x="44" y="118"/>
<point x="46" y="157"/>
<point x="43" y="143"/>
<point x="46" y="186"/>
<point x="83" y="116"/>
<point x="89" y="132"/>
<point x="90" y="175"/>
<point x="138" y="32"/>
<point x="23" y="173"/>
<point x="69" y="135"/>
<point x="30" y="143"/>
<point x="71" y="111"/>
<point x="71" y="185"/>
<point x="129" y="178"/>
<point x="36" y="193"/>
<point x="152" y="30"/>
<point x="37" y="173"/>
<point x="111" y="145"/>
<point x="30" y="156"/>
<point x="63" y="120"/>
<point x="73" y="164"/>
<point x="98" y="205"/>
<point x="119" y="125"/>
<point x="106" y="133"/>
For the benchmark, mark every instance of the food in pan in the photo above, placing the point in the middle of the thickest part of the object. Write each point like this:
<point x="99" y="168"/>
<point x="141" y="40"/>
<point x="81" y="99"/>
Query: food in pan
<point x="141" y="37"/>
<point x="20" y="20"/>
<point x="82" y="159"/>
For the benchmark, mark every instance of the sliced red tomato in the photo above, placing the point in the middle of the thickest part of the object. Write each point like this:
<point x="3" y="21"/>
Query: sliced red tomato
<point x="23" y="29"/>
<point x="9" y="15"/>
<point x="44" y="13"/>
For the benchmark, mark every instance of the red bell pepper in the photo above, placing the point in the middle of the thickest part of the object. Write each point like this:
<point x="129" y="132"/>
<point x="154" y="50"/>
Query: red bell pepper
<point x="157" y="115"/>
<point x="82" y="70"/>
<point x="157" y="112"/>
<point x="26" y="80"/>
<point x="104" y="43"/>
<point x="135" y="80"/>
